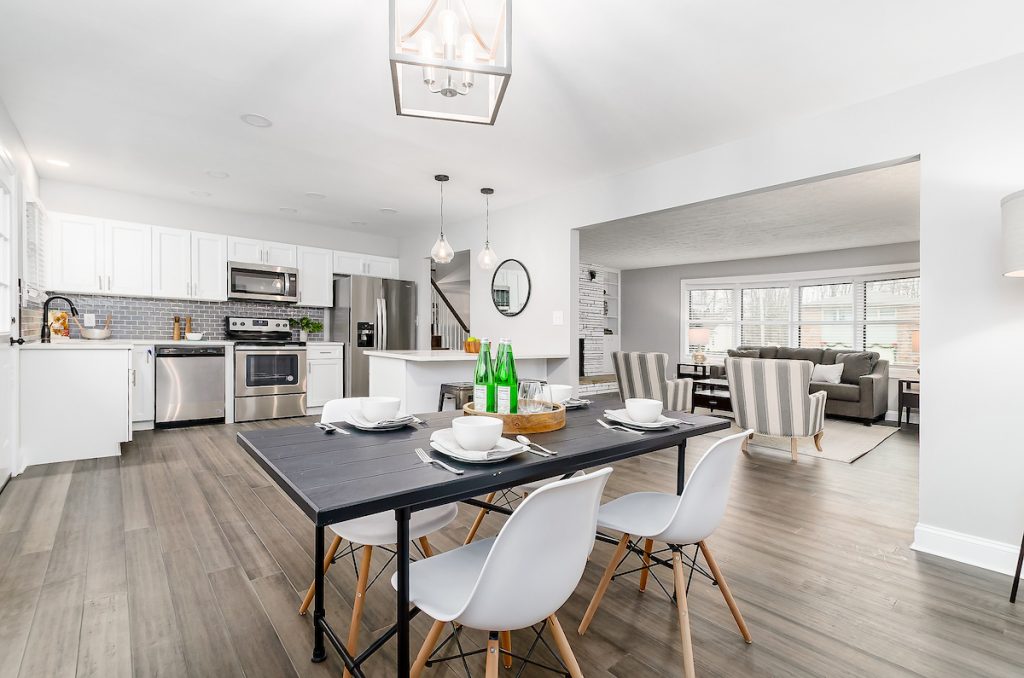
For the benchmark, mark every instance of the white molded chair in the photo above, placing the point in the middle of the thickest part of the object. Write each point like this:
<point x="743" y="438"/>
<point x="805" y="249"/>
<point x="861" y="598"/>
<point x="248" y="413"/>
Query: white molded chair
<point x="379" y="529"/>
<point x="509" y="497"/>
<point x="677" y="521"/>
<point x="519" y="578"/>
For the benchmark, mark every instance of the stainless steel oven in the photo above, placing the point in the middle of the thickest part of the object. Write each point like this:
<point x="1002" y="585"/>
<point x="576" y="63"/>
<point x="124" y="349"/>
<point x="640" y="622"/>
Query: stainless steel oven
<point x="263" y="282"/>
<point x="270" y="369"/>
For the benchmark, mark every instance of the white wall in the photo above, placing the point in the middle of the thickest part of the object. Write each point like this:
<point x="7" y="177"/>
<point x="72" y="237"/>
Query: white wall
<point x="967" y="129"/>
<point x="60" y="196"/>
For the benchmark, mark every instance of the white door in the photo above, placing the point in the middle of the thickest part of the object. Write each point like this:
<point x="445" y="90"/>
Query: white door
<point x="8" y="307"/>
<point x="348" y="263"/>
<point x="143" y="383"/>
<point x="209" y="267"/>
<point x="324" y="381"/>
<point x="246" y="251"/>
<point x="382" y="267"/>
<point x="316" y="277"/>
<point x="78" y="261"/>
<point x="171" y="256"/>
<point x="129" y="250"/>
<point x="280" y="254"/>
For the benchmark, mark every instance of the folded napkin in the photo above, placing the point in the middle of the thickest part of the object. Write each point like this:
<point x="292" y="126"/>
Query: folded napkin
<point x="444" y="441"/>
<point x="623" y="417"/>
<point x="355" y="417"/>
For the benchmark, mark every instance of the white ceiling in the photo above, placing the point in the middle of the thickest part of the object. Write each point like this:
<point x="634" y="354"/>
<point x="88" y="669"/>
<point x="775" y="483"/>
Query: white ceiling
<point x="874" y="207"/>
<point x="146" y="96"/>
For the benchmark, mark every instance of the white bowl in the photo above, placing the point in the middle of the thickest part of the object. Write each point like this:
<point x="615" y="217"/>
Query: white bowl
<point x="477" y="433"/>
<point x="379" y="408"/>
<point x="193" y="336"/>
<point x="559" y="393"/>
<point x="95" y="333"/>
<point x="644" y="410"/>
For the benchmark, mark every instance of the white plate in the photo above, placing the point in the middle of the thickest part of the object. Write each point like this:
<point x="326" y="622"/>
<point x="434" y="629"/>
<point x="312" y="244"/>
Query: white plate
<point x="576" y="404"/>
<point x="444" y="442"/>
<point x="360" y="422"/>
<point x="622" y="417"/>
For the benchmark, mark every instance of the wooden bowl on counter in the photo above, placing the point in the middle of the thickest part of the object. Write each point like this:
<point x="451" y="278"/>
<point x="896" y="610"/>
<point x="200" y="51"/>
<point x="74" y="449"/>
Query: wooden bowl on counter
<point x="539" y="422"/>
<point x="471" y="346"/>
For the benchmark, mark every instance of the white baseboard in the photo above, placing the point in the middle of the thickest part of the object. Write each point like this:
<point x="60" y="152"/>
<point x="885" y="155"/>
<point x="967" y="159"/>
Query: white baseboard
<point x="965" y="548"/>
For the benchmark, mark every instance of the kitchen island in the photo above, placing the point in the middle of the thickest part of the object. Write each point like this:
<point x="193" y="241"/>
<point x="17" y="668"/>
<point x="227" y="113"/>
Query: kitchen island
<point x="416" y="376"/>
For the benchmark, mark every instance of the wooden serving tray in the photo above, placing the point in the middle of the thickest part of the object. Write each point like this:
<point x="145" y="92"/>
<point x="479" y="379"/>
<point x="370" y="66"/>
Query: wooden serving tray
<point x="540" y="422"/>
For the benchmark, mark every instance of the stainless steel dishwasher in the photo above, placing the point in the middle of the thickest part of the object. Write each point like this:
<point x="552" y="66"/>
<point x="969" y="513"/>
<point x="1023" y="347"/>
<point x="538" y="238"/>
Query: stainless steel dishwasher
<point x="189" y="385"/>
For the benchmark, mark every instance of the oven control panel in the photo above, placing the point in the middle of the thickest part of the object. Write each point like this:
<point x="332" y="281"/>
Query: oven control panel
<point x="258" y="324"/>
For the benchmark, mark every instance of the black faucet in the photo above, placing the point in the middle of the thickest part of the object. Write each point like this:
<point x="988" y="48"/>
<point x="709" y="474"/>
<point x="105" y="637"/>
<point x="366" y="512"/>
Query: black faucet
<point x="44" y="336"/>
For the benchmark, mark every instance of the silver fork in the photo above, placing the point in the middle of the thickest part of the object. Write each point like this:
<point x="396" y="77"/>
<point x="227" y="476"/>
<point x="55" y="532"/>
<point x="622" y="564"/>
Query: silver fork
<point x="616" y="427"/>
<point x="427" y="459"/>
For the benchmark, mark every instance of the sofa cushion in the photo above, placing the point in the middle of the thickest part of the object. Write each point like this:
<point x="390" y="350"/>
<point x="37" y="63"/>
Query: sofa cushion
<point x="812" y="354"/>
<point x="743" y="353"/>
<point x="827" y="374"/>
<point x="769" y="352"/>
<point x="845" y="392"/>
<point x="857" y="365"/>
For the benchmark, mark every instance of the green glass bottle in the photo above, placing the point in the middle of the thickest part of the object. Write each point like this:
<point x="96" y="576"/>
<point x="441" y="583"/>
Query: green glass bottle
<point x="483" y="379"/>
<point x="506" y="382"/>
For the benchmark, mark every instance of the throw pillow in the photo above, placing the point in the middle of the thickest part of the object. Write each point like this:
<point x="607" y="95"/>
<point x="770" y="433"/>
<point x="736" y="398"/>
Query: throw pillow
<point x="856" y="365"/>
<point x="744" y="353"/>
<point x="827" y="374"/>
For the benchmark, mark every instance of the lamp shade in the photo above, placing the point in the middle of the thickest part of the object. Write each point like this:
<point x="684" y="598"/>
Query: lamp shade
<point x="1013" y="235"/>
<point x="915" y="341"/>
<point x="698" y="336"/>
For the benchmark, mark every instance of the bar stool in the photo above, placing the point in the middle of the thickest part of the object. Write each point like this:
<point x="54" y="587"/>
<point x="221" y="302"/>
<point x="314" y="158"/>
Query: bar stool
<point x="460" y="391"/>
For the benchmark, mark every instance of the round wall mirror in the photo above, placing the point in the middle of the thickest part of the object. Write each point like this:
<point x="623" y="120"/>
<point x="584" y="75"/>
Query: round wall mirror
<point x="510" y="287"/>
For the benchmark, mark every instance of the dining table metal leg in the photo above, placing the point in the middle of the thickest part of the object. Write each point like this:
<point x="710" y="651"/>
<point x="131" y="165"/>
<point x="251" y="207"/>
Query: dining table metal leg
<point x="681" y="468"/>
<point x="402" y="561"/>
<point x="319" y="653"/>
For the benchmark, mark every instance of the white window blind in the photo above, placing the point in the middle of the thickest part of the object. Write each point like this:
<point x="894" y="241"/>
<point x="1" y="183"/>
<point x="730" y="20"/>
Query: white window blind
<point x="764" y="316"/>
<point x="714" y="310"/>
<point x="892" y="314"/>
<point x="826" y="316"/>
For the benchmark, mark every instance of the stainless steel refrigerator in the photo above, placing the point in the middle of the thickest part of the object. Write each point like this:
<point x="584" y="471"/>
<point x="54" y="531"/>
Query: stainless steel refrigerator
<point x="371" y="314"/>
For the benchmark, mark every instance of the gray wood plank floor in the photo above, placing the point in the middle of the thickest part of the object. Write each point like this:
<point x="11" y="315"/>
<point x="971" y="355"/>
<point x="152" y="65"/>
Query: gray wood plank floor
<point x="182" y="559"/>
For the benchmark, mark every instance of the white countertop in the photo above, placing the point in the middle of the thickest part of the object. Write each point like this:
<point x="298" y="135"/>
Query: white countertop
<point x="129" y="343"/>
<point x="79" y="345"/>
<point x="451" y="356"/>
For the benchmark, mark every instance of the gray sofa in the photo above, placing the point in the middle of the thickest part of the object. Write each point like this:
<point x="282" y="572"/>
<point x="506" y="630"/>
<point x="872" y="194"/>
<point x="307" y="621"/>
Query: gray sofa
<point x="863" y="391"/>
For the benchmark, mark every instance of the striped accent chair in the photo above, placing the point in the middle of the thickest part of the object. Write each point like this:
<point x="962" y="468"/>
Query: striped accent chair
<point x="770" y="397"/>
<point x="644" y="375"/>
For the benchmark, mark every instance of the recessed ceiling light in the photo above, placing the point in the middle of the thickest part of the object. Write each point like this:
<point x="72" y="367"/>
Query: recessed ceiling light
<point x="217" y="174"/>
<point x="201" y="194"/>
<point x="288" y="210"/>
<point x="314" y="195"/>
<point x="58" y="163"/>
<point x="256" y="120"/>
<point x="359" y="223"/>
<point x="388" y="210"/>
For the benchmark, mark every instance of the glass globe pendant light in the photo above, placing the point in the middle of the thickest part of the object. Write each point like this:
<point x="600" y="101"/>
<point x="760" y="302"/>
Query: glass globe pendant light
<point x="442" y="251"/>
<point x="487" y="258"/>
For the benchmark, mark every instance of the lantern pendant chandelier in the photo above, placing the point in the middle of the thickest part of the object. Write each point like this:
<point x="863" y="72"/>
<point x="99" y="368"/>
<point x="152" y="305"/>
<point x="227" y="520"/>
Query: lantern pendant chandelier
<point x="442" y="66"/>
<point x="487" y="258"/>
<point x="442" y="251"/>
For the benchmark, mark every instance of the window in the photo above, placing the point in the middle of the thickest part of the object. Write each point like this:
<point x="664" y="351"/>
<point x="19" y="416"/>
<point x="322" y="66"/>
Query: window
<point x="870" y="313"/>
<point x="713" y="310"/>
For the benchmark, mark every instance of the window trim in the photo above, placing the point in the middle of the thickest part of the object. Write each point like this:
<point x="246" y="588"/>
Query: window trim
<point x="857" y="276"/>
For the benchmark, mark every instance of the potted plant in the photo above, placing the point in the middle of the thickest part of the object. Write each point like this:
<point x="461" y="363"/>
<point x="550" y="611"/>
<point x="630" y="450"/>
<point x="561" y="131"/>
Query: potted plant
<point x="306" y="325"/>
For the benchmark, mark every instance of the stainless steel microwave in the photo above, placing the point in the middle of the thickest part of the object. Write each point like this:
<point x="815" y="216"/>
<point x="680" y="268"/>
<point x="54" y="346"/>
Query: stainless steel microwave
<point x="263" y="282"/>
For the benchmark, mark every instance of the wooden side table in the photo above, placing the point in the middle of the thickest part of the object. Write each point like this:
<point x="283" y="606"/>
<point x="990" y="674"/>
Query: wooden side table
<point x="909" y="398"/>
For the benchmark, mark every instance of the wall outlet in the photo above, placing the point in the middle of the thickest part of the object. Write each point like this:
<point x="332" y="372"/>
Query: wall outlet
<point x="557" y="318"/>
<point x="89" y="320"/>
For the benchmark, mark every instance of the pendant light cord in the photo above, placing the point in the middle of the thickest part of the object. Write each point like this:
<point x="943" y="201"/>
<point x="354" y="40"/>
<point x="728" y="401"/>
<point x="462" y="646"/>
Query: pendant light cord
<point x="442" y="209"/>
<point x="487" y="221"/>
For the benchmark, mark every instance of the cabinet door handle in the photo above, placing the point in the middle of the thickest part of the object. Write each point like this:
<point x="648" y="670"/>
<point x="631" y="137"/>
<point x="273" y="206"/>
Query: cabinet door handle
<point x="99" y="281"/>
<point x="108" y="283"/>
<point x="133" y="377"/>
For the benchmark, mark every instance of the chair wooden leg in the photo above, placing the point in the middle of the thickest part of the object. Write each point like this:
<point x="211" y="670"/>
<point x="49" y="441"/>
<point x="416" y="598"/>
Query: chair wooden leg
<point x="817" y="440"/>
<point x="726" y="593"/>
<point x="792" y="449"/>
<point x="479" y="519"/>
<point x="505" y="637"/>
<point x="568" y="658"/>
<point x="357" y="606"/>
<point x="648" y="547"/>
<point x="426" y="649"/>
<point x="492" y="656"/>
<point x="746" y="441"/>
<point x="602" y="586"/>
<point x="684" y="615"/>
<point x="425" y="546"/>
<point x="328" y="558"/>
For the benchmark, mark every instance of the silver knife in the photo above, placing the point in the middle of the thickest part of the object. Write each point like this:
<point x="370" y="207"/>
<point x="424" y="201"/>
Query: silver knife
<point x="427" y="459"/>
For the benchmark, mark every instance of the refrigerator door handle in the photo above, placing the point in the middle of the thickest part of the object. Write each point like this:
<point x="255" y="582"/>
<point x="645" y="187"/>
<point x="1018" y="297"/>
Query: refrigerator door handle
<point x="384" y="321"/>
<point x="378" y="338"/>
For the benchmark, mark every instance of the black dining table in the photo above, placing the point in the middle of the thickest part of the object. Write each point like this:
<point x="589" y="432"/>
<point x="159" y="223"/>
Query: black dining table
<point x="334" y="477"/>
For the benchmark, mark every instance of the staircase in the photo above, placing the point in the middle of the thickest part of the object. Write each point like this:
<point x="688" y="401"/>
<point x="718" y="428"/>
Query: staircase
<point x="447" y="329"/>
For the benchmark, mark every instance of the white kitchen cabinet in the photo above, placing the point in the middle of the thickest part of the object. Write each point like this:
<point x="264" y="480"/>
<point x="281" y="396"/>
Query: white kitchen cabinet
<point x="209" y="267"/>
<point x="316" y="277"/>
<point x="172" y="252"/>
<point x="325" y="374"/>
<point x="280" y="254"/>
<point x="78" y="263"/>
<point x="352" y="263"/>
<point x="261" y="252"/>
<point x="143" y="384"/>
<point x="128" y="259"/>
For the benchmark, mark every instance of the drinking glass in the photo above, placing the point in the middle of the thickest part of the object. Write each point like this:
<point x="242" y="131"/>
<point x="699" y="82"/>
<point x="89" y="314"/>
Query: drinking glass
<point x="531" y="397"/>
